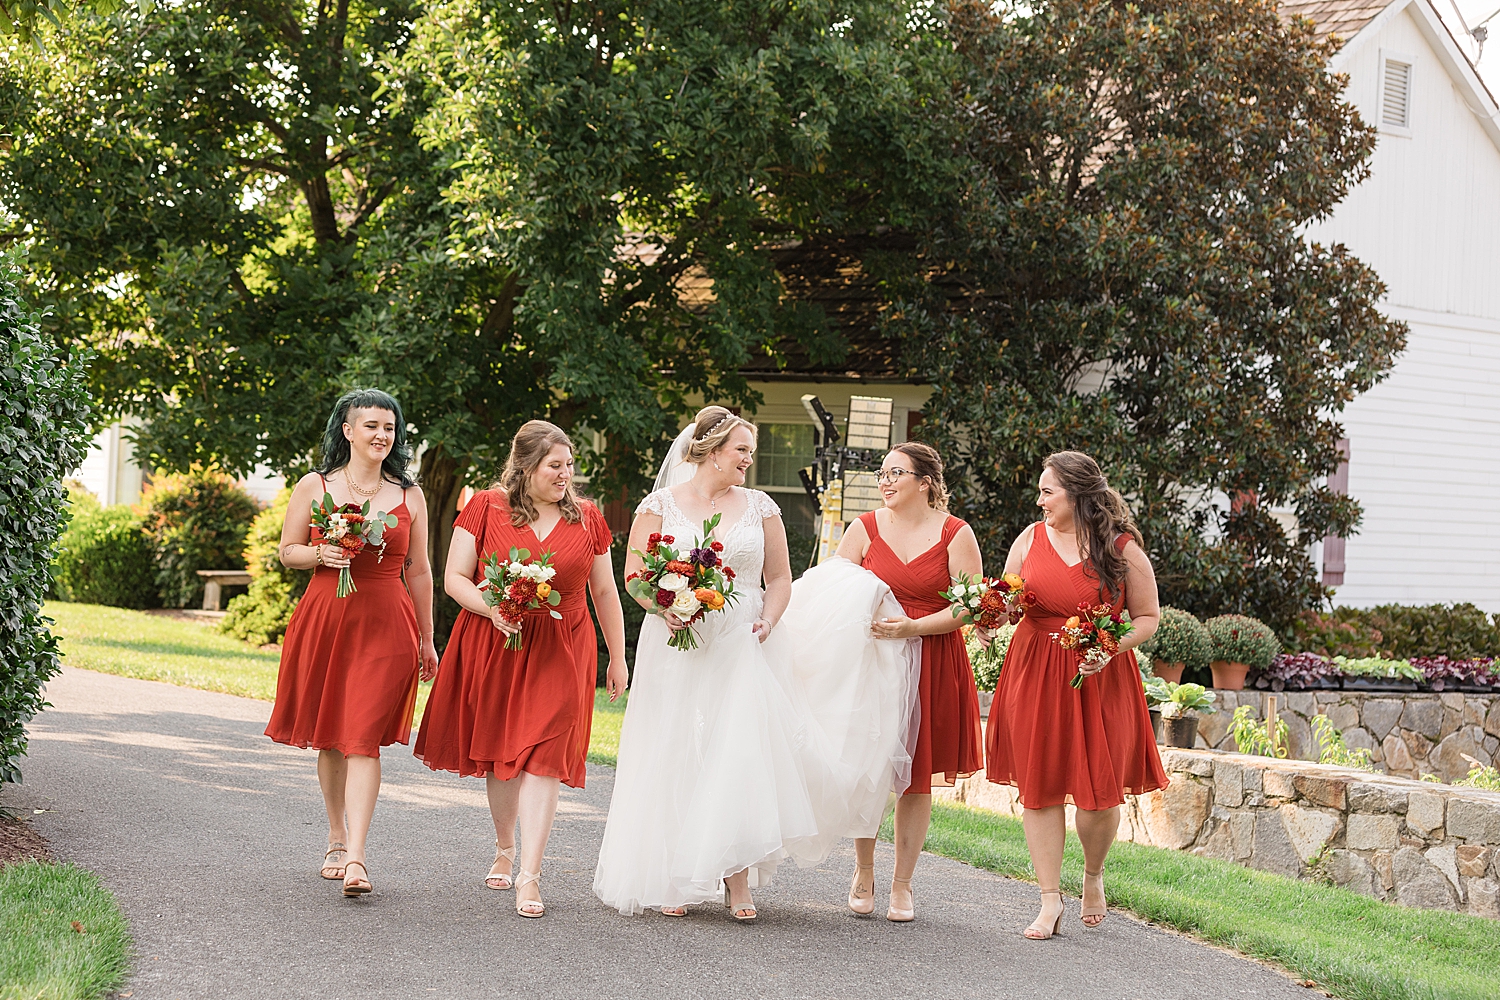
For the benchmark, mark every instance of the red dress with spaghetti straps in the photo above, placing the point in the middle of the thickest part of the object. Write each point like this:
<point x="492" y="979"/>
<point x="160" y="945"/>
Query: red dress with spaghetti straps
<point x="531" y="709"/>
<point x="348" y="677"/>
<point x="1089" y="747"/>
<point x="950" y="741"/>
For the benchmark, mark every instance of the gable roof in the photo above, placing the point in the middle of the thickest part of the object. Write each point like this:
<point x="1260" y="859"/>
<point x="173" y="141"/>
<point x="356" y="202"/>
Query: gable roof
<point x="1344" y="18"/>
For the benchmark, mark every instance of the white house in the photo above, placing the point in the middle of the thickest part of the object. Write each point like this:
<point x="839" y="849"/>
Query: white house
<point x="1424" y="445"/>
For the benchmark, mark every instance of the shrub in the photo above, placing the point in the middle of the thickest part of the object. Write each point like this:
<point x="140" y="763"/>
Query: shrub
<point x="1254" y="737"/>
<point x="986" y="665"/>
<point x="1241" y="639"/>
<point x="1458" y="631"/>
<point x="105" y="557"/>
<point x="261" y="615"/>
<point x="196" y="520"/>
<point x="44" y="429"/>
<point x="1180" y="638"/>
<point x="1331" y="635"/>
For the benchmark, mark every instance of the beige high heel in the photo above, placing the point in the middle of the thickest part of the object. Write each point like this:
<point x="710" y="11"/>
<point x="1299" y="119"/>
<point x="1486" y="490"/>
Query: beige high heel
<point x="862" y="905"/>
<point x="747" y="909"/>
<point x="1038" y="931"/>
<point x="529" y="907"/>
<point x="1097" y="912"/>
<point x="509" y="854"/>
<point x="898" y="916"/>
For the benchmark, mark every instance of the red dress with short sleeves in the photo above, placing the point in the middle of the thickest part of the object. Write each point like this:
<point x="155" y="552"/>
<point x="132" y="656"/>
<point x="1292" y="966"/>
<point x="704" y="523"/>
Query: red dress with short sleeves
<point x="348" y="677"/>
<point x="531" y="709"/>
<point x="1057" y="745"/>
<point x="950" y="740"/>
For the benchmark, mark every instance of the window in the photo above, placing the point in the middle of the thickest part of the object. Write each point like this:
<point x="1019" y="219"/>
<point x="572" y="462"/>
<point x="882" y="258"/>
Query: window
<point x="1395" y="94"/>
<point x="782" y="450"/>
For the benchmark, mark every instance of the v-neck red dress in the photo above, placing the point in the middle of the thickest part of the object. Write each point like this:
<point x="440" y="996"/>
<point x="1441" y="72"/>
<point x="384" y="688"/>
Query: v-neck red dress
<point x="1090" y="747"/>
<point x="506" y="711"/>
<point x="348" y="676"/>
<point x="950" y="740"/>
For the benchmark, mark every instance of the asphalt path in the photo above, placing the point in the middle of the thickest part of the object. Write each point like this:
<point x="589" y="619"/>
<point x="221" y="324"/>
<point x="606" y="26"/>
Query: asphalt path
<point x="210" y="836"/>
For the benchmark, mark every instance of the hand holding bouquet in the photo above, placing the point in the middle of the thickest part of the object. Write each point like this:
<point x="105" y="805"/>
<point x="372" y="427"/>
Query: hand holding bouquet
<point x="685" y="588"/>
<point x="518" y="584"/>
<point x="351" y="527"/>
<point x="1095" y="633"/>
<point x="989" y="603"/>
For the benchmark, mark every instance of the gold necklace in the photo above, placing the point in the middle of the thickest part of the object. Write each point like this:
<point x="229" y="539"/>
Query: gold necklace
<point x="358" y="490"/>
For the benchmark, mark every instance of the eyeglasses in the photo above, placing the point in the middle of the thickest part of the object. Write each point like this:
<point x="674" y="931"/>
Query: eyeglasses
<point x="892" y="475"/>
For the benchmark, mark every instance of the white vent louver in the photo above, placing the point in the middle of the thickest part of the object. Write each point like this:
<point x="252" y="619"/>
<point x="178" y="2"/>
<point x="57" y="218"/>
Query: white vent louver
<point x="1395" y="105"/>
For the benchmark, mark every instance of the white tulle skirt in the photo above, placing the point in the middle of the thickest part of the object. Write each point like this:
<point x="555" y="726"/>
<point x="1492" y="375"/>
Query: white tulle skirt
<point x="739" y="755"/>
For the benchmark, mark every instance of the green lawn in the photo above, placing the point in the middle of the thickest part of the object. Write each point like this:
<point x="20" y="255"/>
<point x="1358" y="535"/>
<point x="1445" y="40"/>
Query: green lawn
<point x="61" y="935"/>
<point x="1351" y="946"/>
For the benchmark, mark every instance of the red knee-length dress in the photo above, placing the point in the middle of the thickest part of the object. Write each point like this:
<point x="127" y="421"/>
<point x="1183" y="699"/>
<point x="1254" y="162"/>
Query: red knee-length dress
<point x="349" y="665"/>
<point x="508" y="711"/>
<point x="1057" y="745"/>
<point x="950" y="740"/>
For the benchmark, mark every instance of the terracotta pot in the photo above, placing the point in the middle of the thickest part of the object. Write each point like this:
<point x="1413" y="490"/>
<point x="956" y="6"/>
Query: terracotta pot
<point x="1228" y="675"/>
<point x="1156" y="723"/>
<point x="1181" y="732"/>
<point x="1169" y="672"/>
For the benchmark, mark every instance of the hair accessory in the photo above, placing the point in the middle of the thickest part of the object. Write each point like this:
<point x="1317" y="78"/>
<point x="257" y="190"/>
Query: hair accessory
<point x="710" y="432"/>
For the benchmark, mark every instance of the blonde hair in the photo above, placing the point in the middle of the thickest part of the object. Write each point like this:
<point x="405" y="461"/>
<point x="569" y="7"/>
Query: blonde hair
<point x="926" y="464"/>
<point x="531" y="445"/>
<point x="712" y="428"/>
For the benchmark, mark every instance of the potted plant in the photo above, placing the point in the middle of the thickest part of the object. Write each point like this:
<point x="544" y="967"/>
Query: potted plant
<point x="1240" y="644"/>
<point x="1158" y="693"/>
<point x="1179" y="713"/>
<point x="1180" y="642"/>
<point x="1377" y="673"/>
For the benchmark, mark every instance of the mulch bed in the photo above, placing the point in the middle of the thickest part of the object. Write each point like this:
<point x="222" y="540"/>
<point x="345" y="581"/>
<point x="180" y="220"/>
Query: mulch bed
<point x="19" y="841"/>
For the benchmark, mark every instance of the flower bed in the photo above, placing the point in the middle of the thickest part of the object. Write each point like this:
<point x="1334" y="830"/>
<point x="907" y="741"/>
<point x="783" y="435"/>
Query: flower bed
<point x="1314" y="671"/>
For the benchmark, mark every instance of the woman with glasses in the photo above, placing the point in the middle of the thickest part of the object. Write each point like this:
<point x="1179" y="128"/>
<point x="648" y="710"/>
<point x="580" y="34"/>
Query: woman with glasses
<point x="917" y="547"/>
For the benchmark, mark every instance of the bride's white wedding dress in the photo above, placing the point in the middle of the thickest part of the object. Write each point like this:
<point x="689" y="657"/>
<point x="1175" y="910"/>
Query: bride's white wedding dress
<point x="740" y="754"/>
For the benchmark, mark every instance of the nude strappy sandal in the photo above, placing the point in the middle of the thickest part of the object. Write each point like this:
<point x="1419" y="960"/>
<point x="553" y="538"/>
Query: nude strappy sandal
<point x="509" y="854"/>
<point x="748" y="909"/>
<point x="1038" y="931"/>
<point x="1097" y="912"/>
<point x="356" y="886"/>
<point x="329" y="866"/>
<point x="529" y="907"/>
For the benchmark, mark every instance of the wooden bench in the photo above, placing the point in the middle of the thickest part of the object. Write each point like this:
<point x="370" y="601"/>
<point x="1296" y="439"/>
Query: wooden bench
<point x="214" y="582"/>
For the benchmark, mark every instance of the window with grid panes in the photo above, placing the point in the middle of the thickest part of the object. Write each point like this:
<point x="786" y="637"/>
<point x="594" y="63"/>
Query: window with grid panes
<point x="782" y="450"/>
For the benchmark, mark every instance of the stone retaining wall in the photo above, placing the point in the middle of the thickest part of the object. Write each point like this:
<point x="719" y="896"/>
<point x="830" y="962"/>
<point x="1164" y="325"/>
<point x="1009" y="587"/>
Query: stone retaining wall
<point x="1410" y="842"/>
<point x="1409" y="734"/>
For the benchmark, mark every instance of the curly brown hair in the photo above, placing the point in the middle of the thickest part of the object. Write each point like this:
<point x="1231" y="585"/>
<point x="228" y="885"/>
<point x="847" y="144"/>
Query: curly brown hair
<point x="1100" y="515"/>
<point x="531" y="445"/>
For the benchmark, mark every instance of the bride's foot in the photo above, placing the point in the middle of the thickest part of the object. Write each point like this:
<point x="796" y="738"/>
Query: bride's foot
<point x="737" y="900"/>
<point x="674" y="911"/>
<point x="903" y="908"/>
<point x="1095" y="907"/>
<point x="1049" y="920"/>
<point x="862" y="892"/>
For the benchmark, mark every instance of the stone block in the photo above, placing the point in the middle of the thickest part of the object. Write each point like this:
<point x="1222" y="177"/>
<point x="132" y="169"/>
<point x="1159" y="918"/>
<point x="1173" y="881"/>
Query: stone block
<point x="1343" y="717"/>
<point x="1379" y="715"/>
<point x="1359" y="739"/>
<point x="1229" y="787"/>
<point x="1299" y="738"/>
<point x="1484" y="898"/>
<point x="1453" y="700"/>
<point x="1373" y="797"/>
<point x="1301" y="702"/>
<point x="1473" y="860"/>
<point x="1419" y="884"/>
<point x="1451" y="721"/>
<point x="1444" y="859"/>
<point x="1273" y="851"/>
<point x="1352" y="872"/>
<point x="1218" y="844"/>
<point x="1424" y="812"/>
<point x="1174" y="815"/>
<point x="1474" y="821"/>
<point x="1250" y="778"/>
<point x="1309" y="830"/>
<point x="1326" y="697"/>
<point x="1277" y="785"/>
<point x="1474" y="712"/>
<point x="987" y="795"/>
<point x="1398" y="757"/>
<point x="1370" y="832"/>
<point x="1383" y="863"/>
<point x="1242" y="834"/>
<point x="1447" y="760"/>
<point x="1214" y="730"/>
<point x="1423" y="715"/>
<point x="1491" y="746"/>
<point x="1418" y="746"/>
<point x="1322" y="791"/>
<point x="1492" y="718"/>
<point x="1188" y="763"/>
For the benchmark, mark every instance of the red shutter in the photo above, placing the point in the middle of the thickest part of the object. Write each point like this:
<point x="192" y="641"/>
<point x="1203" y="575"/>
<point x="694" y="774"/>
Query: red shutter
<point x="1333" y="547"/>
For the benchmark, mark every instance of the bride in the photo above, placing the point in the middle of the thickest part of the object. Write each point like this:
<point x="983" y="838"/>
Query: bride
<point x="783" y="732"/>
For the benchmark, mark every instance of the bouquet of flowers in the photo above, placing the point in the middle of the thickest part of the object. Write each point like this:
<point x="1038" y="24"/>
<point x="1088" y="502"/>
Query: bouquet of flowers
<point x="989" y="604"/>
<point x="518" y="584"/>
<point x="351" y="527"/>
<point x="688" y="587"/>
<point x="1095" y="632"/>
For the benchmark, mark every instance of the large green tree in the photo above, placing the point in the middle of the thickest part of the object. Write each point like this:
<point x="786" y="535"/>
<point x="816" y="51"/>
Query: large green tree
<point x="1130" y="276"/>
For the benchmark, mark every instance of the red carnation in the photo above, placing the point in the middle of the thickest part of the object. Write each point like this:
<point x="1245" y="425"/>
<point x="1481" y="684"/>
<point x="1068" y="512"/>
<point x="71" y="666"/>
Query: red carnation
<point x="523" y="590"/>
<point x="655" y="537"/>
<point x="668" y="539"/>
<point x="729" y="572"/>
<point x="716" y="546"/>
<point x="681" y="568"/>
<point x="664" y="598"/>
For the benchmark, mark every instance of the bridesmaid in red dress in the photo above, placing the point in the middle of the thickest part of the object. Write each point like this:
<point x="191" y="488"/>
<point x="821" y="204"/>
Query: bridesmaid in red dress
<point x="349" y="665"/>
<point x="521" y="718"/>
<point x="917" y="547"/>
<point x="1089" y="747"/>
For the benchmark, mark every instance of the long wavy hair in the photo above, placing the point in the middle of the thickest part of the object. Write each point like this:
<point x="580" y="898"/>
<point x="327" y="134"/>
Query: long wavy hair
<point x="528" y="449"/>
<point x="1100" y="515"/>
<point x="335" y="449"/>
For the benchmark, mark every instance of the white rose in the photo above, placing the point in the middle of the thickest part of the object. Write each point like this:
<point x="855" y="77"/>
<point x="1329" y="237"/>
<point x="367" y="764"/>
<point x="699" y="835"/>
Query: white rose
<point x="674" y="582"/>
<point x="548" y="572"/>
<point x="534" y="572"/>
<point x="517" y="569"/>
<point x="686" y="605"/>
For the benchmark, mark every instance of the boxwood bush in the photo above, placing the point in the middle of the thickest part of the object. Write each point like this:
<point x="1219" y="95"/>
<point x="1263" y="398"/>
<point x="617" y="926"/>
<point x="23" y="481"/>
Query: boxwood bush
<point x="44" y="430"/>
<point x="261" y="615"/>
<point x="105" y="557"/>
<point x="1242" y="639"/>
<point x="196" y="520"/>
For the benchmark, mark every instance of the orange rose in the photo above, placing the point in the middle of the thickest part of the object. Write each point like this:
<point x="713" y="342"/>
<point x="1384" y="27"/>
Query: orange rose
<point x="1071" y="622"/>
<point x="543" y="589"/>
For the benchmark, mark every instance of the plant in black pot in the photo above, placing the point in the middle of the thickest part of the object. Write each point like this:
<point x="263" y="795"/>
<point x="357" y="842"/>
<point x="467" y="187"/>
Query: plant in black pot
<point x="1158" y="692"/>
<point x="1179" y="643"/>
<point x="1241" y="644"/>
<point x="1179" y="713"/>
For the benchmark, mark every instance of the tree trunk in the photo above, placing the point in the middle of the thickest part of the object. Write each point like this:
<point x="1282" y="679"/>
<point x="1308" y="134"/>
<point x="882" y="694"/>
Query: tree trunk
<point x="441" y="482"/>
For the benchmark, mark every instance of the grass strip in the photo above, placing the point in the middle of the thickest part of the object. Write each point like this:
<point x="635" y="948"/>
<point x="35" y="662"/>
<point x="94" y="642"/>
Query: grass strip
<point x="62" y="936"/>
<point x="1350" y="945"/>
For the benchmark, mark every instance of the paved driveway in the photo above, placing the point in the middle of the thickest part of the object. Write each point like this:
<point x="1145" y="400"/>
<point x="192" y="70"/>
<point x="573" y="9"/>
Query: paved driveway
<point x="210" y="835"/>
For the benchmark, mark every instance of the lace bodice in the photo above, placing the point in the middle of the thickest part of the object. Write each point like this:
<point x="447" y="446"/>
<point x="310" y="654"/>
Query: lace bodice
<point x="744" y="541"/>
